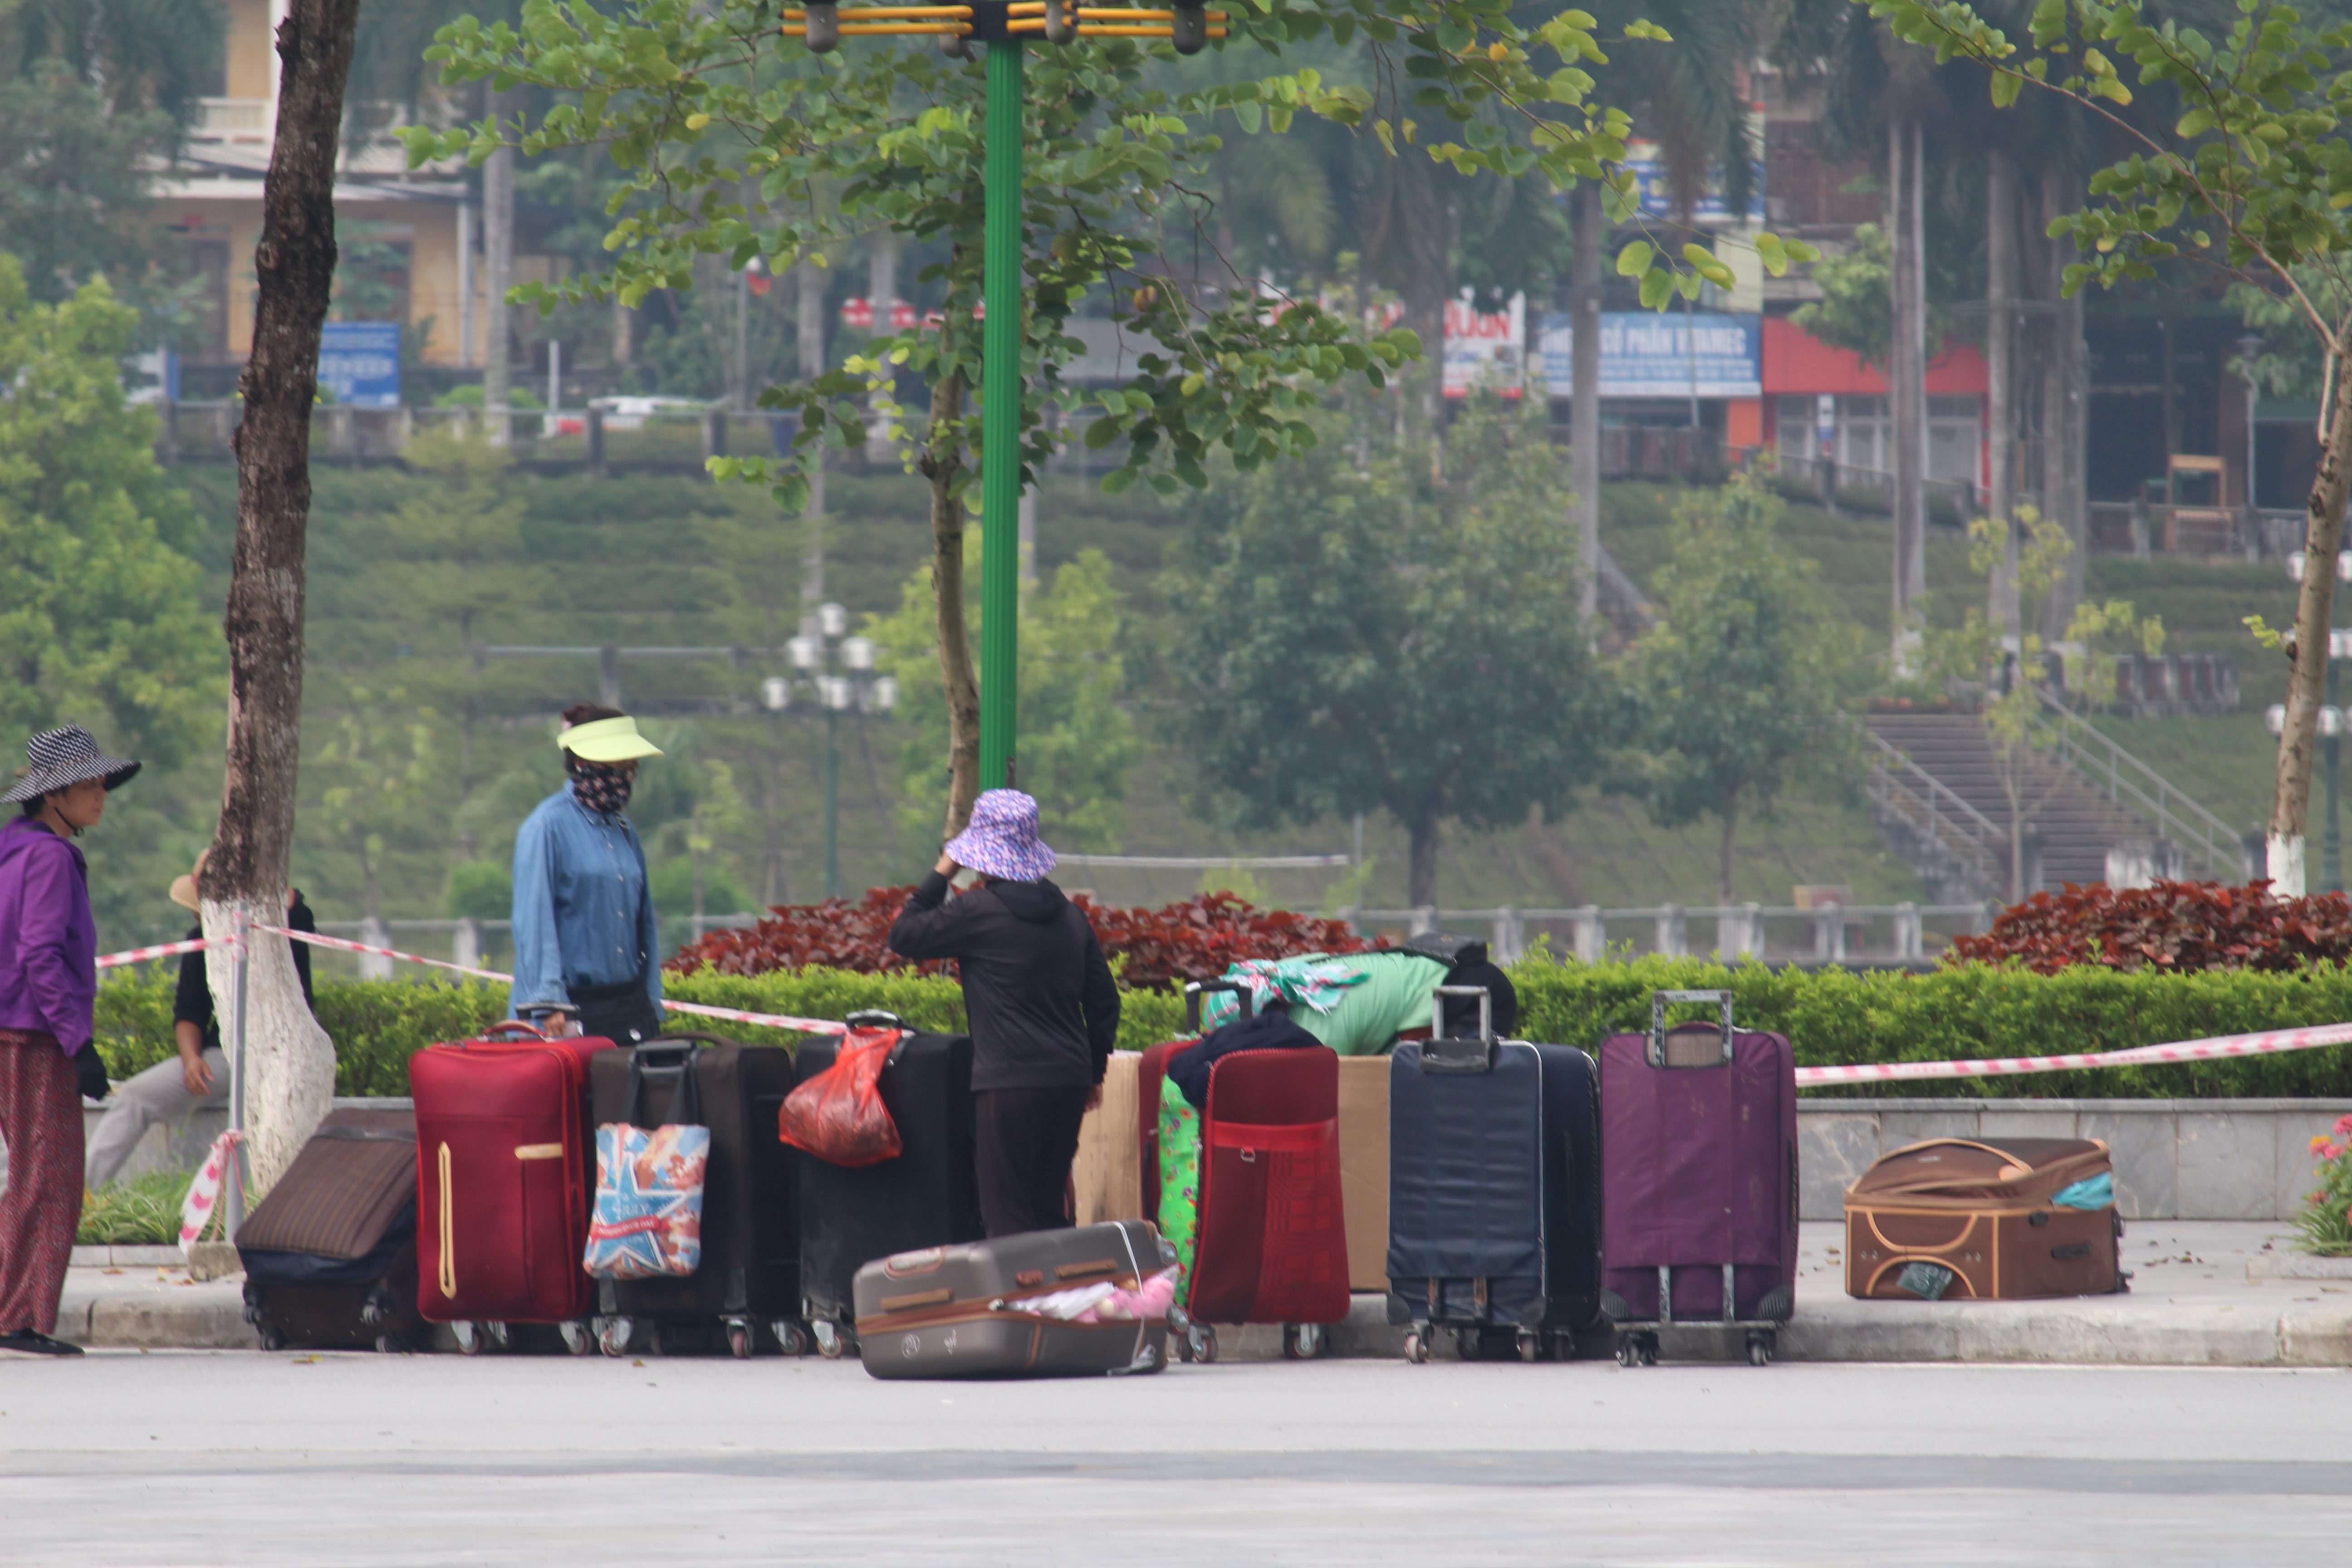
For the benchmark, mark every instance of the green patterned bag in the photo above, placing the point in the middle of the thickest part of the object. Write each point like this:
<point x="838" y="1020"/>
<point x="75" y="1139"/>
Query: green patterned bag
<point x="1179" y="1177"/>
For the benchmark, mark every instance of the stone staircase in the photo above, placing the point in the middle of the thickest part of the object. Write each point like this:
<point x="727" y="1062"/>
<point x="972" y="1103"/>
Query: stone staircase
<point x="1938" y="796"/>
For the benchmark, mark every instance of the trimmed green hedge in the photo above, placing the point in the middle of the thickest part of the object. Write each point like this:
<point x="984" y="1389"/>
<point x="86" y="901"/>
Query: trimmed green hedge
<point x="1832" y="1015"/>
<point x="1835" y="1017"/>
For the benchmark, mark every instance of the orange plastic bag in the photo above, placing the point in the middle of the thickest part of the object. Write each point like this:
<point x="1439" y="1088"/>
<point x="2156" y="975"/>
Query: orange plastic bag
<point x="838" y="1115"/>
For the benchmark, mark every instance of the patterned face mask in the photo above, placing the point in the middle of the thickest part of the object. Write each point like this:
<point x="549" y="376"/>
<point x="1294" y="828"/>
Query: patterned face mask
<point x="601" y="788"/>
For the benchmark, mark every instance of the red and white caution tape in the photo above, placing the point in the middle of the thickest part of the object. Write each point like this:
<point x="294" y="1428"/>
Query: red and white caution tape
<point x="202" y="1202"/>
<point x="766" y="1020"/>
<point x="2267" y="1042"/>
<point x="142" y="955"/>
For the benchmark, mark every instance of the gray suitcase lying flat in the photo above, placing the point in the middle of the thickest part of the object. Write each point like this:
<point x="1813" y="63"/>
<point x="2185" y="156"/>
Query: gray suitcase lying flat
<point x="959" y="1311"/>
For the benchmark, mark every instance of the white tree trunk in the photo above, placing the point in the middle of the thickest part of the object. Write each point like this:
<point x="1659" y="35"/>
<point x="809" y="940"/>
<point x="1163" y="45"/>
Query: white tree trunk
<point x="289" y="1063"/>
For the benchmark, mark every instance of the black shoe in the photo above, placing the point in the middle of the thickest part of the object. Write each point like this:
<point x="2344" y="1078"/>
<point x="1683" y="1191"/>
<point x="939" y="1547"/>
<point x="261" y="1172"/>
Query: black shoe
<point x="26" y="1342"/>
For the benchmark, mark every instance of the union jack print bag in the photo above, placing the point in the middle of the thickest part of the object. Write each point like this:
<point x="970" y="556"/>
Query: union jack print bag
<point x="647" y="1218"/>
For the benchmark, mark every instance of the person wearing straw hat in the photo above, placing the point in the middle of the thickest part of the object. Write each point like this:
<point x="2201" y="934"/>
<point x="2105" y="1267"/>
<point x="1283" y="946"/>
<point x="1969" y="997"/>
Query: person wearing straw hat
<point x="586" y="952"/>
<point x="1042" y="1006"/>
<point x="49" y="994"/>
<point x="198" y="1078"/>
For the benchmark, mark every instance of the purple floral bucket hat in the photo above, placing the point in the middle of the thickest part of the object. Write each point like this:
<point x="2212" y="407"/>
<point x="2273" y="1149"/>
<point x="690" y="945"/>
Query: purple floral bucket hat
<point x="1002" y="838"/>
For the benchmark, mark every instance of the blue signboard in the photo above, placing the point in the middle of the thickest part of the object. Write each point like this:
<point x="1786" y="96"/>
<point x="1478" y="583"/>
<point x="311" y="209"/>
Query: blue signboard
<point x="1657" y="195"/>
<point x="359" y="363"/>
<point x="1646" y="354"/>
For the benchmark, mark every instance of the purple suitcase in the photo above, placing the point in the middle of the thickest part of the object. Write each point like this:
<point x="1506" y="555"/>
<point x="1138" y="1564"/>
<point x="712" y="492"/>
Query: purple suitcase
<point x="1698" y="1148"/>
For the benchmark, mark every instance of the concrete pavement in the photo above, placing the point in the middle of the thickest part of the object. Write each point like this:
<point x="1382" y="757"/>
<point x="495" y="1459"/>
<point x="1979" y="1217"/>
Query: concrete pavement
<point x="2204" y="1293"/>
<point x="132" y="1460"/>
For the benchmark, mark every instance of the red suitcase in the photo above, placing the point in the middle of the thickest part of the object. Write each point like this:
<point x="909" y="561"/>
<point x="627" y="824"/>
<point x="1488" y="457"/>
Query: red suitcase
<point x="505" y="1167"/>
<point x="1271" y="1243"/>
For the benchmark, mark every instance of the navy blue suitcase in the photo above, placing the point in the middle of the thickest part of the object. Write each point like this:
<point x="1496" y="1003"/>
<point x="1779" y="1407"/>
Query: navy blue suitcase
<point x="1493" y="1195"/>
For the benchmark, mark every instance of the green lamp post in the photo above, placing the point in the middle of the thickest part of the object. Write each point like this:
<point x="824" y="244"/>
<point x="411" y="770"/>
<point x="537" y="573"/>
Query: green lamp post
<point x="1001" y="27"/>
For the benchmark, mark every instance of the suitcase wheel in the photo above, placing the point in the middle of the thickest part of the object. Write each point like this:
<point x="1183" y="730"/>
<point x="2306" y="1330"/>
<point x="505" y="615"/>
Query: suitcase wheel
<point x="1302" y="1341"/>
<point x="791" y="1336"/>
<point x="273" y="1338"/>
<point x="1637" y="1350"/>
<point x="1198" y="1342"/>
<point x="738" y="1341"/>
<point x="612" y="1336"/>
<point x="829" y="1341"/>
<point x="390" y="1344"/>
<point x="1761" y="1346"/>
<point x="499" y="1338"/>
<point x="1416" y="1345"/>
<point x="377" y="1308"/>
<point x="1531" y="1345"/>
<point x="577" y="1339"/>
<point x="470" y="1337"/>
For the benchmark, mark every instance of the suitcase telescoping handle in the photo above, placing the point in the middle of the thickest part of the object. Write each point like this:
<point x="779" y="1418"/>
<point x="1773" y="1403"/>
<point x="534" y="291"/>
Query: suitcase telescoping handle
<point x="685" y="1095"/>
<point x="1681" y="1054"/>
<point x="882" y="1018"/>
<point x="511" y="1026"/>
<point x="1196" y="991"/>
<point x="1445" y="1055"/>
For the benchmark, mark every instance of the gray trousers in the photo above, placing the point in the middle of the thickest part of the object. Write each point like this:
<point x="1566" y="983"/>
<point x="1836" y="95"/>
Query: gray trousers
<point x="159" y="1094"/>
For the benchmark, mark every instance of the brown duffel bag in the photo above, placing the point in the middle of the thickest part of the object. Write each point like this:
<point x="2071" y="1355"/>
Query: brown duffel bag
<point x="344" y="1191"/>
<point x="1963" y="1218"/>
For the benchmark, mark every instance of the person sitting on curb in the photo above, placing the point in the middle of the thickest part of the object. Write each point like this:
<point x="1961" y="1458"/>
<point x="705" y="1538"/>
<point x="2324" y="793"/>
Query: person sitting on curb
<point x="1042" y="1008"/>
<point x="49" y="1052"/>
<point x="197" y="1079"/>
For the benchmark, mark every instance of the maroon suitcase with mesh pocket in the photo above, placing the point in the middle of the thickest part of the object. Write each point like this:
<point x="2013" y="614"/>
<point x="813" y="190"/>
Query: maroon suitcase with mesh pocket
<point x="1698" y="1151"/>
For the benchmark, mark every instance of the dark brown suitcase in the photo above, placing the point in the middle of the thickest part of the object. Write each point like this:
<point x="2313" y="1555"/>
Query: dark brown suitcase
<point x="343" y="1191"/>
<point x="958" y="1311"/>
<point x="329" y="1255"/>
<point x="1958" y="1219"/>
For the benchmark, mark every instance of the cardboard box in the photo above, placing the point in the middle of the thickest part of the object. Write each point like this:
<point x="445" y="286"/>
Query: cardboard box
<point x="1106" y="1179"/>
<point x="1364" y="1168"/>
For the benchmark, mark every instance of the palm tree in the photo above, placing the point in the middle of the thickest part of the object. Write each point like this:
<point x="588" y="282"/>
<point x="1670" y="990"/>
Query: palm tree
<point x="1687" y="97"/>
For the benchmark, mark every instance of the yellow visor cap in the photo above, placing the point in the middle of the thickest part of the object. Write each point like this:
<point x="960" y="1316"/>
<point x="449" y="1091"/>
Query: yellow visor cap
<point x="607" y="741"/>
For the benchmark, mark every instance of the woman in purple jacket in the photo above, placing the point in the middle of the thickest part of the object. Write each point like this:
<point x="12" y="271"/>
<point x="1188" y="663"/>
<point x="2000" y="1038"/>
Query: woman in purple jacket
<point x="48" y="986"/>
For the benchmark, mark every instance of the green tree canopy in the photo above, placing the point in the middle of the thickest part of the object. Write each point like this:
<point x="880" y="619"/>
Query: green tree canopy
<point x="101" y="622"/>
<point x="1742" y="683"/>
<point x="1076" y="741"/>
<point x="1361" y="640"/>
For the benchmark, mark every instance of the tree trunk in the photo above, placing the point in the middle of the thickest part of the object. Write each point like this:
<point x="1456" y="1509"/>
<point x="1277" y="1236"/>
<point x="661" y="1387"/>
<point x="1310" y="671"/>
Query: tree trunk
<point x="498" y="247"/>
<point x="1904" y="384"/>
<point x="811" y="346"/>
<point x="2064" y="424"/>
<point x="290" y="1066"/>
<point x="1427" y="216"/>
<point x="882" y="288"/>
<point x="1420" y="878"/>
<point x="2313" y="612"/>
<point x="2000" y="294"/>
<point x="941" y="463"/>
<point x="1584" y="405"/>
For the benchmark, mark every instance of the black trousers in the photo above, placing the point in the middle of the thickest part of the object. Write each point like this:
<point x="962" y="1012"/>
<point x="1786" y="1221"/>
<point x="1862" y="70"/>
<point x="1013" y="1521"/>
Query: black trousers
<point x="1024" y="1141"/>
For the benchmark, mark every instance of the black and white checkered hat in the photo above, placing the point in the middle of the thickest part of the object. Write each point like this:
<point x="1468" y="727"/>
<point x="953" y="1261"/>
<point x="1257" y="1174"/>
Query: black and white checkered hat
<point x="64" y="757"/>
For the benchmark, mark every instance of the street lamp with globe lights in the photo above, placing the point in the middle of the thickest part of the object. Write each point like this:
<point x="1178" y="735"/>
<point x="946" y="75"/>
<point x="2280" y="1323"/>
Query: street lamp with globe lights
<point x="817" y="684"/>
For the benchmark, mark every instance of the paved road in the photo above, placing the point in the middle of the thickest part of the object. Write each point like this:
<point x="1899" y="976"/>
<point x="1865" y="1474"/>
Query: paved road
<point x="186" y="1458"/>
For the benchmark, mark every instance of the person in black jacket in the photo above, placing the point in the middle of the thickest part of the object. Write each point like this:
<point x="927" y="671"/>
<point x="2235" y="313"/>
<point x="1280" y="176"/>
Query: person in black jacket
<point x="198" y="1078"/>
<point x="1042" y="1008"/>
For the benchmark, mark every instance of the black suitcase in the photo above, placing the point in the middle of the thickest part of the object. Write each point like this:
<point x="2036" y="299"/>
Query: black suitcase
<point x="973" y="1309"/>
<point x="928" y="1196"/>
<point x="366" y="1304"/>
<point x="750" y="1272"/>
<point x="1493" y="1195"/>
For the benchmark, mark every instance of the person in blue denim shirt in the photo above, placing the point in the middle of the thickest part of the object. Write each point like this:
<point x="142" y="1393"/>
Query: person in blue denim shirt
<point x="586" y="956"/>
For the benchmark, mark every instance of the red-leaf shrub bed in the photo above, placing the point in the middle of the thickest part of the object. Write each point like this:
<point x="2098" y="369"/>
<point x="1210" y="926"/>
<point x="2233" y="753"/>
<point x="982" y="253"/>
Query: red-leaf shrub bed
<point x="1197" y="939"/>
<point x="2178" y="926"/>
